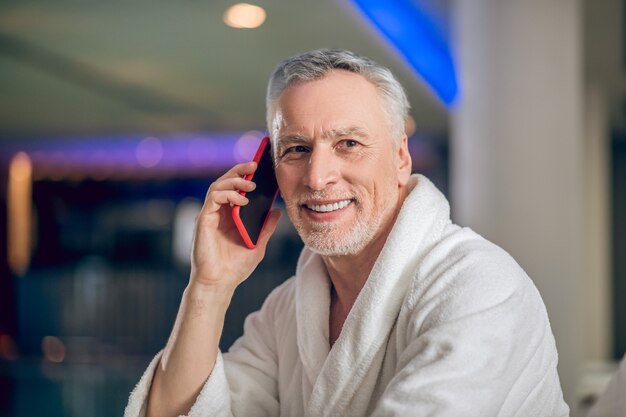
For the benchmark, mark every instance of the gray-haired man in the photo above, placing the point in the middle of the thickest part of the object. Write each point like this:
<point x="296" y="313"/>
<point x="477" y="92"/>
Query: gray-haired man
<point x="393" y="310"/>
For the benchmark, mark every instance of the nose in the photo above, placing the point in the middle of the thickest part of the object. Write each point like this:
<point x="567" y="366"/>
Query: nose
<point x="322" y="169"/>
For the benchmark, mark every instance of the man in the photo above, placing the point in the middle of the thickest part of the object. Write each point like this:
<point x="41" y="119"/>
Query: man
<point x="393" y="310"/>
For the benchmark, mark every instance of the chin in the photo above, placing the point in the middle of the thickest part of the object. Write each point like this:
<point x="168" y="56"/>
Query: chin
<point x="332" y="252"/>
<point x="349" y="244"/>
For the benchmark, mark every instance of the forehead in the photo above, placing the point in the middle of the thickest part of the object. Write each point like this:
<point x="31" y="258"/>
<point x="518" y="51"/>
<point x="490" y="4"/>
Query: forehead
<point x="341" y="100"/>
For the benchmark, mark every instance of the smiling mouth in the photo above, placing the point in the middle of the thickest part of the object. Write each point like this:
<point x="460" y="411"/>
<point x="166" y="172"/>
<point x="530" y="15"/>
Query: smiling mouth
<point x="326" y="208"/>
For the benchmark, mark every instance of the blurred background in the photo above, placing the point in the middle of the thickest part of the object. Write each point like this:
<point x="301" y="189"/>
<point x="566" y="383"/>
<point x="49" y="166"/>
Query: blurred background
<point x="116" y="116"/>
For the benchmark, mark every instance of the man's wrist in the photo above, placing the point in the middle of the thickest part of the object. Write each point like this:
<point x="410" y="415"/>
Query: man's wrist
<point x="200" y="292"/>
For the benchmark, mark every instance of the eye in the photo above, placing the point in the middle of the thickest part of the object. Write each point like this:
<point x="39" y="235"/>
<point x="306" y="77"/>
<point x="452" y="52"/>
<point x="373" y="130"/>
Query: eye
<point x="299" y="149"/>
<point x="296" y="149"/>
<point x="349" y="143"/>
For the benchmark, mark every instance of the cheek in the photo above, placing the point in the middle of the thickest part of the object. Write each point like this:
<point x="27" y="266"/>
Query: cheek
<point x="286" y="178"/>
<point x="384" y="183"/>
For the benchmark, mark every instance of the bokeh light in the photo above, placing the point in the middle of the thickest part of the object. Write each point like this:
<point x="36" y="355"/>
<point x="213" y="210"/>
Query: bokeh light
<point x="247" y="145"/>
<point x="8" y="351"/>
<point x="149" y="152"/>
<point x="53" y="349"/>
<point x="244" y="16"/>
<point x="19" y="206"/>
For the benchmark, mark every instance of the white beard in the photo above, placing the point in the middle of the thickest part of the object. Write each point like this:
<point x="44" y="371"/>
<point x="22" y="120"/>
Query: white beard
<point x="325" y="238"/>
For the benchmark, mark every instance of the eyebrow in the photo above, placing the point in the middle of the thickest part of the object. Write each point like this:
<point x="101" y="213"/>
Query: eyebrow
<point x="345" y="131"/>
<point x="353" y="131"/>
<point x="293" y="137"/>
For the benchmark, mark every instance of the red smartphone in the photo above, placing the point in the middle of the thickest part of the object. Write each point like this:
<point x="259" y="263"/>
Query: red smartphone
<point x="251" y="218"/>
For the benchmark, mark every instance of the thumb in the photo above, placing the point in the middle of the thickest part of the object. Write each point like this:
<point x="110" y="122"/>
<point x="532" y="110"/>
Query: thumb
<point x="270" y="227"/>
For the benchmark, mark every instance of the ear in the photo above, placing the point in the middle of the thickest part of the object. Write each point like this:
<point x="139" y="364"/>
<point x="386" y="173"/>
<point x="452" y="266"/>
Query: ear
<point x="404" y="162"/>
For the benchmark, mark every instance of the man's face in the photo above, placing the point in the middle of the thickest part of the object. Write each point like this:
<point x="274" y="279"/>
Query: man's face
<point x="337" y="165"/>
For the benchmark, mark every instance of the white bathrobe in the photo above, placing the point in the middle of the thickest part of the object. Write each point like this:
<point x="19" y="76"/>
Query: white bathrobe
<point x="446" y="325"/>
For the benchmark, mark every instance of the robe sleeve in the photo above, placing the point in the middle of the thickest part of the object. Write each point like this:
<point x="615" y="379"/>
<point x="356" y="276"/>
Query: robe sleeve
<point x="213" y="400"/>
<point x="243" y="381"/>
<point x="477" y="346"/>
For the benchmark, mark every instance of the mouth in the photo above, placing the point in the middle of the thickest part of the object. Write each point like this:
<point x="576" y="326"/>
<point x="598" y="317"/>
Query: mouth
<point x="328" y="207"/>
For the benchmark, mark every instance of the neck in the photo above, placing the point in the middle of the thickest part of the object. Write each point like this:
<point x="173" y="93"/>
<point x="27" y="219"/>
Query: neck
<point x="349" y="273"/>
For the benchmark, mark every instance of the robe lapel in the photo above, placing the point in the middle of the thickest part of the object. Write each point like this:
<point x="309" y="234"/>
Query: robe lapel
<point x="312" y="313"/>
<point x="337" y="375"/>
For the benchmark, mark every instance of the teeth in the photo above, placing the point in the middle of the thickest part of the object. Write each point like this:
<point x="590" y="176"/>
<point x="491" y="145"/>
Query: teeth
<point x="324" y="208"/>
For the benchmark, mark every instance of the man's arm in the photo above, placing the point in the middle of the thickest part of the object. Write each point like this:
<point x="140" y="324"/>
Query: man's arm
<point x="219" y="263"/>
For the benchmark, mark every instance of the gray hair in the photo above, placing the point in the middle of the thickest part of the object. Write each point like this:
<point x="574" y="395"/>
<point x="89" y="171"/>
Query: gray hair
<point x="315" y="65"/>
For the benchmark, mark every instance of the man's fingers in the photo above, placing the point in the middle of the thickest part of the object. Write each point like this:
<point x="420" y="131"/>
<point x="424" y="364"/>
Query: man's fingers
<point x="227" y="191"/>
<point x="240" y="170"/>
<point x="236" y="183"/>
<point x="216" y="199"/>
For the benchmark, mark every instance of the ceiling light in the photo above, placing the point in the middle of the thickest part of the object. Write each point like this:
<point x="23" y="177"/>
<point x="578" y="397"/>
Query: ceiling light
<point x="244" y="16"/>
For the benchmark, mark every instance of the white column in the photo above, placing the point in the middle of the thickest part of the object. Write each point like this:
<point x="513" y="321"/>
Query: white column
<point x="595" y="303"/>
<point x="517" y="147"/>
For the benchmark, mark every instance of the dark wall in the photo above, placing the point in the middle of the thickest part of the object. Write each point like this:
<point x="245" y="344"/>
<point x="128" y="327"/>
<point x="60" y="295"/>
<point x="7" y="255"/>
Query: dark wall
<point x="7" y="303"/>
<point x="619" y="245"/>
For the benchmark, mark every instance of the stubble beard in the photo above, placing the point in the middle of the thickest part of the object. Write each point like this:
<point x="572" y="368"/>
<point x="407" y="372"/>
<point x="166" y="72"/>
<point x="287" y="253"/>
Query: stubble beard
<point x="328" y="239"/>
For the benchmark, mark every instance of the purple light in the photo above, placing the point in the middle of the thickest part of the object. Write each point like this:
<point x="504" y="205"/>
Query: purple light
<point x="149" y="152"/>
<point x="246" y="146"/>
<point x="201" y="152"/>
<point x="121" y="156"/>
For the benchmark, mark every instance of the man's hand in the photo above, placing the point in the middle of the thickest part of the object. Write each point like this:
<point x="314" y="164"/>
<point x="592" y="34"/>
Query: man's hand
<point x="219" y="257"/>
<point x="219" y="262"/>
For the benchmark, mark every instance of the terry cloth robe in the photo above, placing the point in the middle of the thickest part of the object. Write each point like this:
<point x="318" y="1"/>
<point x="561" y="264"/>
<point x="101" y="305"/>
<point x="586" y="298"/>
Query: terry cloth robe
<point x="447" y="324"/>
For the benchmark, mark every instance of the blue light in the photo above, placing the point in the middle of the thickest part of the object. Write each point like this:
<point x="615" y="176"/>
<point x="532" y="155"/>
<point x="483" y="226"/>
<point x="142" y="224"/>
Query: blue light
<point x="415" y="35"/>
